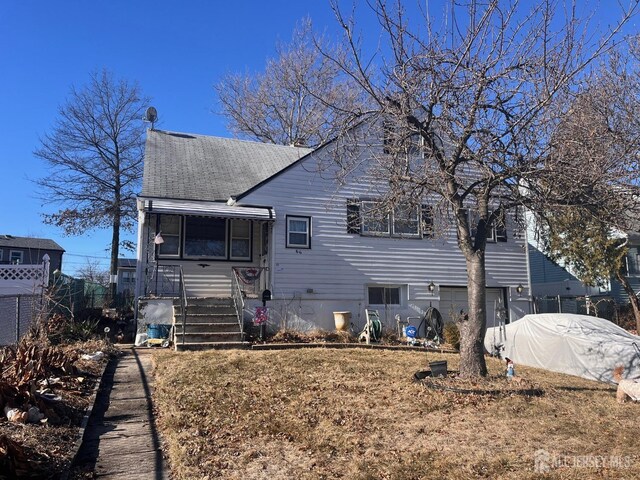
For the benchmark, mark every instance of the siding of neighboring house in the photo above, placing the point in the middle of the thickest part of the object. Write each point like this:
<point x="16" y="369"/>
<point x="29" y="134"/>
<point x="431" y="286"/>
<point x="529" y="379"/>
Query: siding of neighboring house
<point x="335" y="272"/>
<point x="633" y="275"/>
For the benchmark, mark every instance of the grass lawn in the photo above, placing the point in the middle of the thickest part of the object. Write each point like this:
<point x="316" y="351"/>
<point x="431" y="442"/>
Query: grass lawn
<point x="357" y="414"/>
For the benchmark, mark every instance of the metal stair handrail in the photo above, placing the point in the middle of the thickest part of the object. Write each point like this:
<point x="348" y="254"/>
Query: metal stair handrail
<point x="238" y="300"/>
<point x="183" y="304"/>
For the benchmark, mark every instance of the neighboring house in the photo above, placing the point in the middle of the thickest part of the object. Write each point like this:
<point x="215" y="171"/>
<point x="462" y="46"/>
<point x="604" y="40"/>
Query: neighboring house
<point x="126" y="276"/>
<point x="29" y="251"/>
<point x="549" y="279"/>
<point x="27" y="264"/>
<point x="209" y="204"/>
<point x="632" y="270"/>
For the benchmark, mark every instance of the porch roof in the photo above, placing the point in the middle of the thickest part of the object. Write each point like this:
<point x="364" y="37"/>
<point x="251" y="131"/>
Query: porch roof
<point x="209" y="209"/>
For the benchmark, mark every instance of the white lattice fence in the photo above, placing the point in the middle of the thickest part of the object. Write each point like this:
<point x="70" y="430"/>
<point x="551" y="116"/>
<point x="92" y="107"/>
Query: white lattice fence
<point x="24" y="279"/>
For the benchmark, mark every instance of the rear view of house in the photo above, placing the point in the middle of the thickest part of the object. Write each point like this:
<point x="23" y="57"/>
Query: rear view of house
<point x="219" y="215"/>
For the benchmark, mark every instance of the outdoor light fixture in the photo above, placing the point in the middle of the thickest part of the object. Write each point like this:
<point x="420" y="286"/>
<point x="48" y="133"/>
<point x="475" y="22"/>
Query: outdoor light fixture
<point x="431" y="287"/>
<point x="158" y="240"/>
<point x="520" y="289"/>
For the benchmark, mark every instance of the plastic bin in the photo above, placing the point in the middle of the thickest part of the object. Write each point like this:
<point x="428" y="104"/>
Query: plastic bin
<point x="158" y="331"/>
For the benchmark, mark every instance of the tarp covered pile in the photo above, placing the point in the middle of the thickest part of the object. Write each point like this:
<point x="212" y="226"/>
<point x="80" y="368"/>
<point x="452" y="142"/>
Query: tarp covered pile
<point x="581" y="345"/>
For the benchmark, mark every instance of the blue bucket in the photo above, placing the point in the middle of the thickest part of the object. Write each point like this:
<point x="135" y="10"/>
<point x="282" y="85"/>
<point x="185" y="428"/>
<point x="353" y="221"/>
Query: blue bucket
<point x="158" y="331"/>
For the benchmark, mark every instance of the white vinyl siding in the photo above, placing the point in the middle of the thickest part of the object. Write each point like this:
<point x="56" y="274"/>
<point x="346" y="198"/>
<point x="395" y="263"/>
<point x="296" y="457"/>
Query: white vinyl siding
<point x="341" y="264"/>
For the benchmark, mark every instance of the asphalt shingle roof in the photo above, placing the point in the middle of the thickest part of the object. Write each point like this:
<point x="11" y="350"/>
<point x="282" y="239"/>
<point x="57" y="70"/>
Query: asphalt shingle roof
<point x="29" y="242"/>
<point x="198" y="167"/>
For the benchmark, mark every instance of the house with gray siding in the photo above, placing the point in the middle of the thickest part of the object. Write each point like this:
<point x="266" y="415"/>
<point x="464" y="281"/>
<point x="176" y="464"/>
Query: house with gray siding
<point x="29" y="251"/>
<point x="222" y="213"/>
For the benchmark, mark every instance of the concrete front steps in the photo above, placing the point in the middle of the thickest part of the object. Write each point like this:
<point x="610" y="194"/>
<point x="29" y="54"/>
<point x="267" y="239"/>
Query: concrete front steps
<point x="211" y="323"/>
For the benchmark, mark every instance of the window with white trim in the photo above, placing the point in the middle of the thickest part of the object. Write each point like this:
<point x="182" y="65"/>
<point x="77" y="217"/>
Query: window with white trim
<point x="240" y="240"/>
<point x="384" y="295"/>
<point x="298" y="232"/>
<point x="16" y="257"/>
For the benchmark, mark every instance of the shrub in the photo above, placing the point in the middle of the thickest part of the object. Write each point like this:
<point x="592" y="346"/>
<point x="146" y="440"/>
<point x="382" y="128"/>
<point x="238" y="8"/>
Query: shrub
<point x="451" y="334"/>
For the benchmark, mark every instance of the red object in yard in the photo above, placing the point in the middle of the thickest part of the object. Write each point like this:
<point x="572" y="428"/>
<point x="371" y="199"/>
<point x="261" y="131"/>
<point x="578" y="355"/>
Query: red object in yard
<point x="261" y="316"/>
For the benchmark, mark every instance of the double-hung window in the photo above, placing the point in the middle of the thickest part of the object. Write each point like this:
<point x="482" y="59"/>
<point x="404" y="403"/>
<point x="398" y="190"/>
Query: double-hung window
<point x="240" y="240"/>
<point x="16" y="257"/>
<point x="298" y="232"/>
<point x="170" y="232"/>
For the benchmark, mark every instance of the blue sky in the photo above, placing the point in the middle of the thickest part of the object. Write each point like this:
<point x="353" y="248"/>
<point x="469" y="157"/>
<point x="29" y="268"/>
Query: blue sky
<point x="175" y="50"/>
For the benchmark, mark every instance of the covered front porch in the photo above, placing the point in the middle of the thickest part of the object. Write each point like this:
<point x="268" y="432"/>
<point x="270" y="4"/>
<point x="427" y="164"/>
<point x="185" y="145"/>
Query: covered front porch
<point x="203" y="249"/>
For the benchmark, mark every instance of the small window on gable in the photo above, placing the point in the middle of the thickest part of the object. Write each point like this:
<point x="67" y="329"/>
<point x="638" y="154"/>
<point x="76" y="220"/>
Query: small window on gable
<point x="16" y="257"/>
<point x="298" y="232"/>
<point x="1" y="255"/>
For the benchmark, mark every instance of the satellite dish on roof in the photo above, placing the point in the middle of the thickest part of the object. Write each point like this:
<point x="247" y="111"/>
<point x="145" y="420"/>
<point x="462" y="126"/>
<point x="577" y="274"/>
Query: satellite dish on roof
<point x="151" y="115"/>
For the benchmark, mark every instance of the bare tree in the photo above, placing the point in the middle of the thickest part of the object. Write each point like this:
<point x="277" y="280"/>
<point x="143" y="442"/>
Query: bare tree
<point x="298" y="100"/>
<point x="602" y="130"/>
<point x="92" y="271"/>
<point x="467" y="108"/>
<point x="94" y="157"/>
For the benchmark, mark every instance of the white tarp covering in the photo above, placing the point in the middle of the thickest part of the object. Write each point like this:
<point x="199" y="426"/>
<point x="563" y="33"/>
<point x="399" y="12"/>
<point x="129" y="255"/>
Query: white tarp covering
<point x="579" y="345"/>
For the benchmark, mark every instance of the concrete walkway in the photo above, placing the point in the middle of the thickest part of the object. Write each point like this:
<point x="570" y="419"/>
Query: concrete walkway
<point x="121" y="440"/>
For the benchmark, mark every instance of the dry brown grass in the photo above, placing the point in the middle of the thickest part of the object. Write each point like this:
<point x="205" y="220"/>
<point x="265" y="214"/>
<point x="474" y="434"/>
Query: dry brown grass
<point x="357" y="414"/>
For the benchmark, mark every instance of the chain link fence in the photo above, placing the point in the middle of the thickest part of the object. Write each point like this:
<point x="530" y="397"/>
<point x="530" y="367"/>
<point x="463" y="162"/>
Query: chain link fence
<point x="17" y="313"/>
<point x="599" y="306"/>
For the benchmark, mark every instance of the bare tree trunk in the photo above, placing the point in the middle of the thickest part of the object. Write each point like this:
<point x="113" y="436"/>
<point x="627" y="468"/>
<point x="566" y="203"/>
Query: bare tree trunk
<point x="473" y="326"/>
<point x="115" y="244"/>
<point x="633" y="299"/>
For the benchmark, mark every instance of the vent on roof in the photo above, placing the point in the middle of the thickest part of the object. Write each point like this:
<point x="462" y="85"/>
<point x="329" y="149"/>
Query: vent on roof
<point x="181" y="135"/>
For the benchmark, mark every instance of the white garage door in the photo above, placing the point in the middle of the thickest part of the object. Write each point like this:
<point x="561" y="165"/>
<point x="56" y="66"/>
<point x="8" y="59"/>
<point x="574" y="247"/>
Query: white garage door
<point x="454" y="299"/>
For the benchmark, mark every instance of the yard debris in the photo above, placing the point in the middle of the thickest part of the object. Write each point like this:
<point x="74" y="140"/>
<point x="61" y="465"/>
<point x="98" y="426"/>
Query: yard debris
<point x="95" y="357"/>
<point x="15" y="415"/>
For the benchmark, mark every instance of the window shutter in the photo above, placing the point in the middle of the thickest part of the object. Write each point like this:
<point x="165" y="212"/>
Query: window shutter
<point x="427" y="221"/>
<point x="353" y="216"/>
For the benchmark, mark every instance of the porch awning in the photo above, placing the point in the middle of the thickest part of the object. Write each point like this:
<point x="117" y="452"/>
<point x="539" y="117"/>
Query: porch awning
<point x="209" y="209"/>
